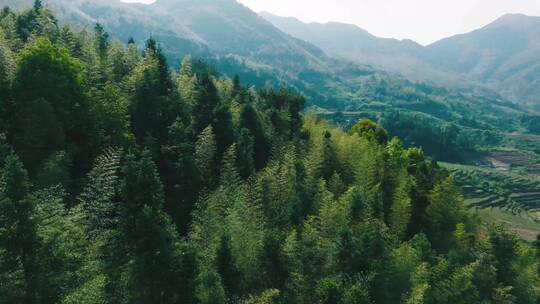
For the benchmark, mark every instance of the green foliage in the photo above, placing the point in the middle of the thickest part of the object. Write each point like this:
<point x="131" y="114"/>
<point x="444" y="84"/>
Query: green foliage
<point x="445" y="212"/>
<point x="205" y="153"/>
<point x="18" y="235"/>
<point x="97" y="198"/>
<point x="370" y="130"/>
<point x="204" y="191"/>
<point x="49" y="99"/>
<point x="7" y="70"/>
<point x="251" y="121"/>
<point x="154" y="250"/>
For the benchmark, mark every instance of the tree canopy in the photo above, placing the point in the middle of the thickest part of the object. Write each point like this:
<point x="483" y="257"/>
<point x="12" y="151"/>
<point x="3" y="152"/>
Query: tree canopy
<point x="123" y="181"/>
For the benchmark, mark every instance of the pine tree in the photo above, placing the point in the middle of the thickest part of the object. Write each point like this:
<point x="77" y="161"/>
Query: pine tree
<point x="8" y="25"/>
<point x="38" y="4"/>
<point x="237" y="86"/>
<point x="246" y="224"/>
<point x="181" y="175"/>
<point x="37" y="21"/>
<point x="7" y="66"/>
<point x="272" y="260"/>
<point x="229" y="178"/>
<point x="148" y="104"/>
<point x="330" y="163"/>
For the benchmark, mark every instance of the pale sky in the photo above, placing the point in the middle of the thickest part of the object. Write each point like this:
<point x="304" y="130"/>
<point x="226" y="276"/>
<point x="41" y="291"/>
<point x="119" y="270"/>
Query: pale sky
<point x="424" y="21"/>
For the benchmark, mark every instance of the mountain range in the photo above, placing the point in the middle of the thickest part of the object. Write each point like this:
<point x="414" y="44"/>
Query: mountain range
<point x="503" y="56"/>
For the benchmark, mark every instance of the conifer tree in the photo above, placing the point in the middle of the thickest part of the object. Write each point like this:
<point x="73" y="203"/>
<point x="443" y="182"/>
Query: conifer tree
<point x="250" y="120"/>
<point x="37" y="21"/>
<point x="18" y="237"/>
<point x="187" y="83"/>
<point x="273" y="262"/>
<point x="102" y="40"/>
<point x="206" y="102"/>
<point x="147" y="103"/>
<point x="165" y="85"/>
<point x="156" y="266"/>
<point x="205" y="153"/>
<point x="69" y="41"/>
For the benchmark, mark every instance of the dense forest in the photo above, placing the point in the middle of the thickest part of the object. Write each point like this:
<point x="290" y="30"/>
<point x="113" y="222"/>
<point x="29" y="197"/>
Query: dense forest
<point x="123" y="181"/>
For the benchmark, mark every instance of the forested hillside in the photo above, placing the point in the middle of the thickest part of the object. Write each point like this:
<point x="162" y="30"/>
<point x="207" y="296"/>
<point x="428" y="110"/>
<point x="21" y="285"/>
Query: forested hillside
<point x="461" y="122"/>
<point x="236" y="41"/>
<point x="123" y="181"/>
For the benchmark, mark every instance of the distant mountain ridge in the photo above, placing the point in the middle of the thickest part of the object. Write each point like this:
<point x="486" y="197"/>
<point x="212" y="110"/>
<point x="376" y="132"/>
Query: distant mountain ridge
<point x="203" y="25"/>
<point x="504" y="55"/>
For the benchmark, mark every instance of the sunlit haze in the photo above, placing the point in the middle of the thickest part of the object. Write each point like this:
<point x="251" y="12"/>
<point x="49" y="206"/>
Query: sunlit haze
<point x="424" y="21"/>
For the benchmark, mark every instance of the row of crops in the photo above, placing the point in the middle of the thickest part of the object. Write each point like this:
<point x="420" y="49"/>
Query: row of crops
<point x="512" y="192"/>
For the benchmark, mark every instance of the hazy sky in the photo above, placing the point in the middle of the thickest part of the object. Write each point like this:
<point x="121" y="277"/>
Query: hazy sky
<point x="424" y="21"/>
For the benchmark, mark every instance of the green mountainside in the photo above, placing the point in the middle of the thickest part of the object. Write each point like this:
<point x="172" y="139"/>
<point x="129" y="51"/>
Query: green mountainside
<point x="500" y="176"/>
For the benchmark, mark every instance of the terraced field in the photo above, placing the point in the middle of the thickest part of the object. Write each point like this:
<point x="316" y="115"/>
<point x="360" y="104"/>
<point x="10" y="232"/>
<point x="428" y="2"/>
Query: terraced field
<point x="500" y="195"/>
<point x="513" y="159"/>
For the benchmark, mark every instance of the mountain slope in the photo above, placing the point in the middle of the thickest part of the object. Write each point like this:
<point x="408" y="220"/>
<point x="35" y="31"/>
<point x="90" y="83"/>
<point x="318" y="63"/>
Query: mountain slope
<point x="220" y="26"/>
<point x="225" y="32"/>
<point x="349" y="41"/>
<point x="503" y="56"/>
